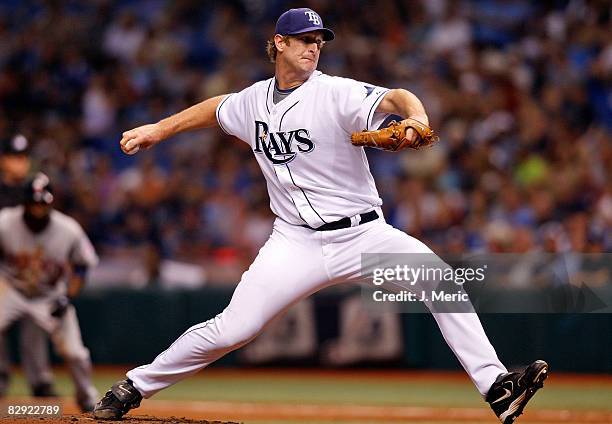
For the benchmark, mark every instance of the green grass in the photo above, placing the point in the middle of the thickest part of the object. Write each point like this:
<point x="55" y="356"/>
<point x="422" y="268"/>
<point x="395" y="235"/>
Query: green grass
<point x="327" y="390"/>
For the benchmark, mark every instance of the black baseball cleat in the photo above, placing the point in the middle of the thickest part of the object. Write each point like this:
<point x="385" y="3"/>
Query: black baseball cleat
<point x="511" y="392"/>
<point x="122" y="397"/>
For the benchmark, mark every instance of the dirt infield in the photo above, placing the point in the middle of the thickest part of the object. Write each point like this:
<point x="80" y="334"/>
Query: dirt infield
<point x="204" y="412"/>
<point x="277" y="411"/>
<point x="141" y="419"/>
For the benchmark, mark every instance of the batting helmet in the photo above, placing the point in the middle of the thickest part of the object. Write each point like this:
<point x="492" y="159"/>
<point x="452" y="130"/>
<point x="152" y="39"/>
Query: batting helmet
<point x="38" y="190"/>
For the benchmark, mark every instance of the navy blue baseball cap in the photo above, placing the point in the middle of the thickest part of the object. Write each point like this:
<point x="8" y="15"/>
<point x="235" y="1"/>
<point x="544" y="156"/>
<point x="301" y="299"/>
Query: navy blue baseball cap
<point x="299" y="21"/>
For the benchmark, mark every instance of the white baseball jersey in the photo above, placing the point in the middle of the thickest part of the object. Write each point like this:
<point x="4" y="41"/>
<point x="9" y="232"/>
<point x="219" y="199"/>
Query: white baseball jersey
<point x="313" y="172"/>
<point x="46" y="253"/>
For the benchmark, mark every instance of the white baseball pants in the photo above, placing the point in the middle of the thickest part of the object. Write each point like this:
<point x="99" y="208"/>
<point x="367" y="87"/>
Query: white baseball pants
<point x="294" y="263"/>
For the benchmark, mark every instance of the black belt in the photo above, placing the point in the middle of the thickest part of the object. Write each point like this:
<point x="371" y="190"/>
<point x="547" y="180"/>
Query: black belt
<point x="345" y="222"/>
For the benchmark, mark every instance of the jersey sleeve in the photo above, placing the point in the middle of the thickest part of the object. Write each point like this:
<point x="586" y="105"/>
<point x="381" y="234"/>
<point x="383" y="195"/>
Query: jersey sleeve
<point x="83" y="252"/>
<point x="232" y="114"/>
<point x="357" y="103"/>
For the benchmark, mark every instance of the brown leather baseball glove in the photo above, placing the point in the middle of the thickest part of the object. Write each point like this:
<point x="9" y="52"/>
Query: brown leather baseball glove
<point x="393" y="137"/>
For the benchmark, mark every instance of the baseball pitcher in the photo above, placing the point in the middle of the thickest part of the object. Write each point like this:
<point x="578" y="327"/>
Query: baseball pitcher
<point x="44" y="257"/>
<point x="306" y="131"/>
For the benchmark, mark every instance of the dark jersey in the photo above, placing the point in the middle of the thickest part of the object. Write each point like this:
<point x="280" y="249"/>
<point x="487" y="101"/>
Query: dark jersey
<point x="10" y="195"/>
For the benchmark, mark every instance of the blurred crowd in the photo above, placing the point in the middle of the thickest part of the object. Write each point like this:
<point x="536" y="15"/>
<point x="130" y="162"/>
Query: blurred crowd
<point x="520" y="93"/>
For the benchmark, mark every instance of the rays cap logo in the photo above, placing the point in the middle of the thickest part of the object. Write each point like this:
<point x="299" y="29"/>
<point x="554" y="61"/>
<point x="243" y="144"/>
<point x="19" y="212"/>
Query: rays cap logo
<point x="299" y="21"/>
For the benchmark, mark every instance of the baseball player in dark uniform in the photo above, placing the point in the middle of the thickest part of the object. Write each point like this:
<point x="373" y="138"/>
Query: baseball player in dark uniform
<point x="15" y="165"/>
<point x="44" y="257"/>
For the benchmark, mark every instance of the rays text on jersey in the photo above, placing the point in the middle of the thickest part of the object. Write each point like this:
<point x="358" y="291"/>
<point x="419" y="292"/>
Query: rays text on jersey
<point x="282" y="146"/>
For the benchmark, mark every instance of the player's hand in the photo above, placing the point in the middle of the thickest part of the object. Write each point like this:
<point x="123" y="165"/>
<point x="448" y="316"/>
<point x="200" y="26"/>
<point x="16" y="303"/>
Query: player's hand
<point x="411" y="135"/>
<point x="60" y="307"/>
<point x="141" y="138"/>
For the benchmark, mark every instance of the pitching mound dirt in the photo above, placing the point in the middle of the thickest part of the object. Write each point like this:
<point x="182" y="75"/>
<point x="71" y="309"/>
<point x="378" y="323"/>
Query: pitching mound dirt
<point x="137" y="419"/>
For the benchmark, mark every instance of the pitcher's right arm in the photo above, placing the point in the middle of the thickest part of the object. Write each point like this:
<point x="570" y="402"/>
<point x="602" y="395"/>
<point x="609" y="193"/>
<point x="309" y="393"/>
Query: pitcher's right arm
<point x="201" y="115"/>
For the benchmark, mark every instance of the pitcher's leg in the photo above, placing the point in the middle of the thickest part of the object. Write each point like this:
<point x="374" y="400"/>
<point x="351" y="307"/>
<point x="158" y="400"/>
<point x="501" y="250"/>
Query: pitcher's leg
<point x="465" y="336"/>
<point x="462" y="331"/>
<point x="201" y="345"/>
<point x="283" y="273"/>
